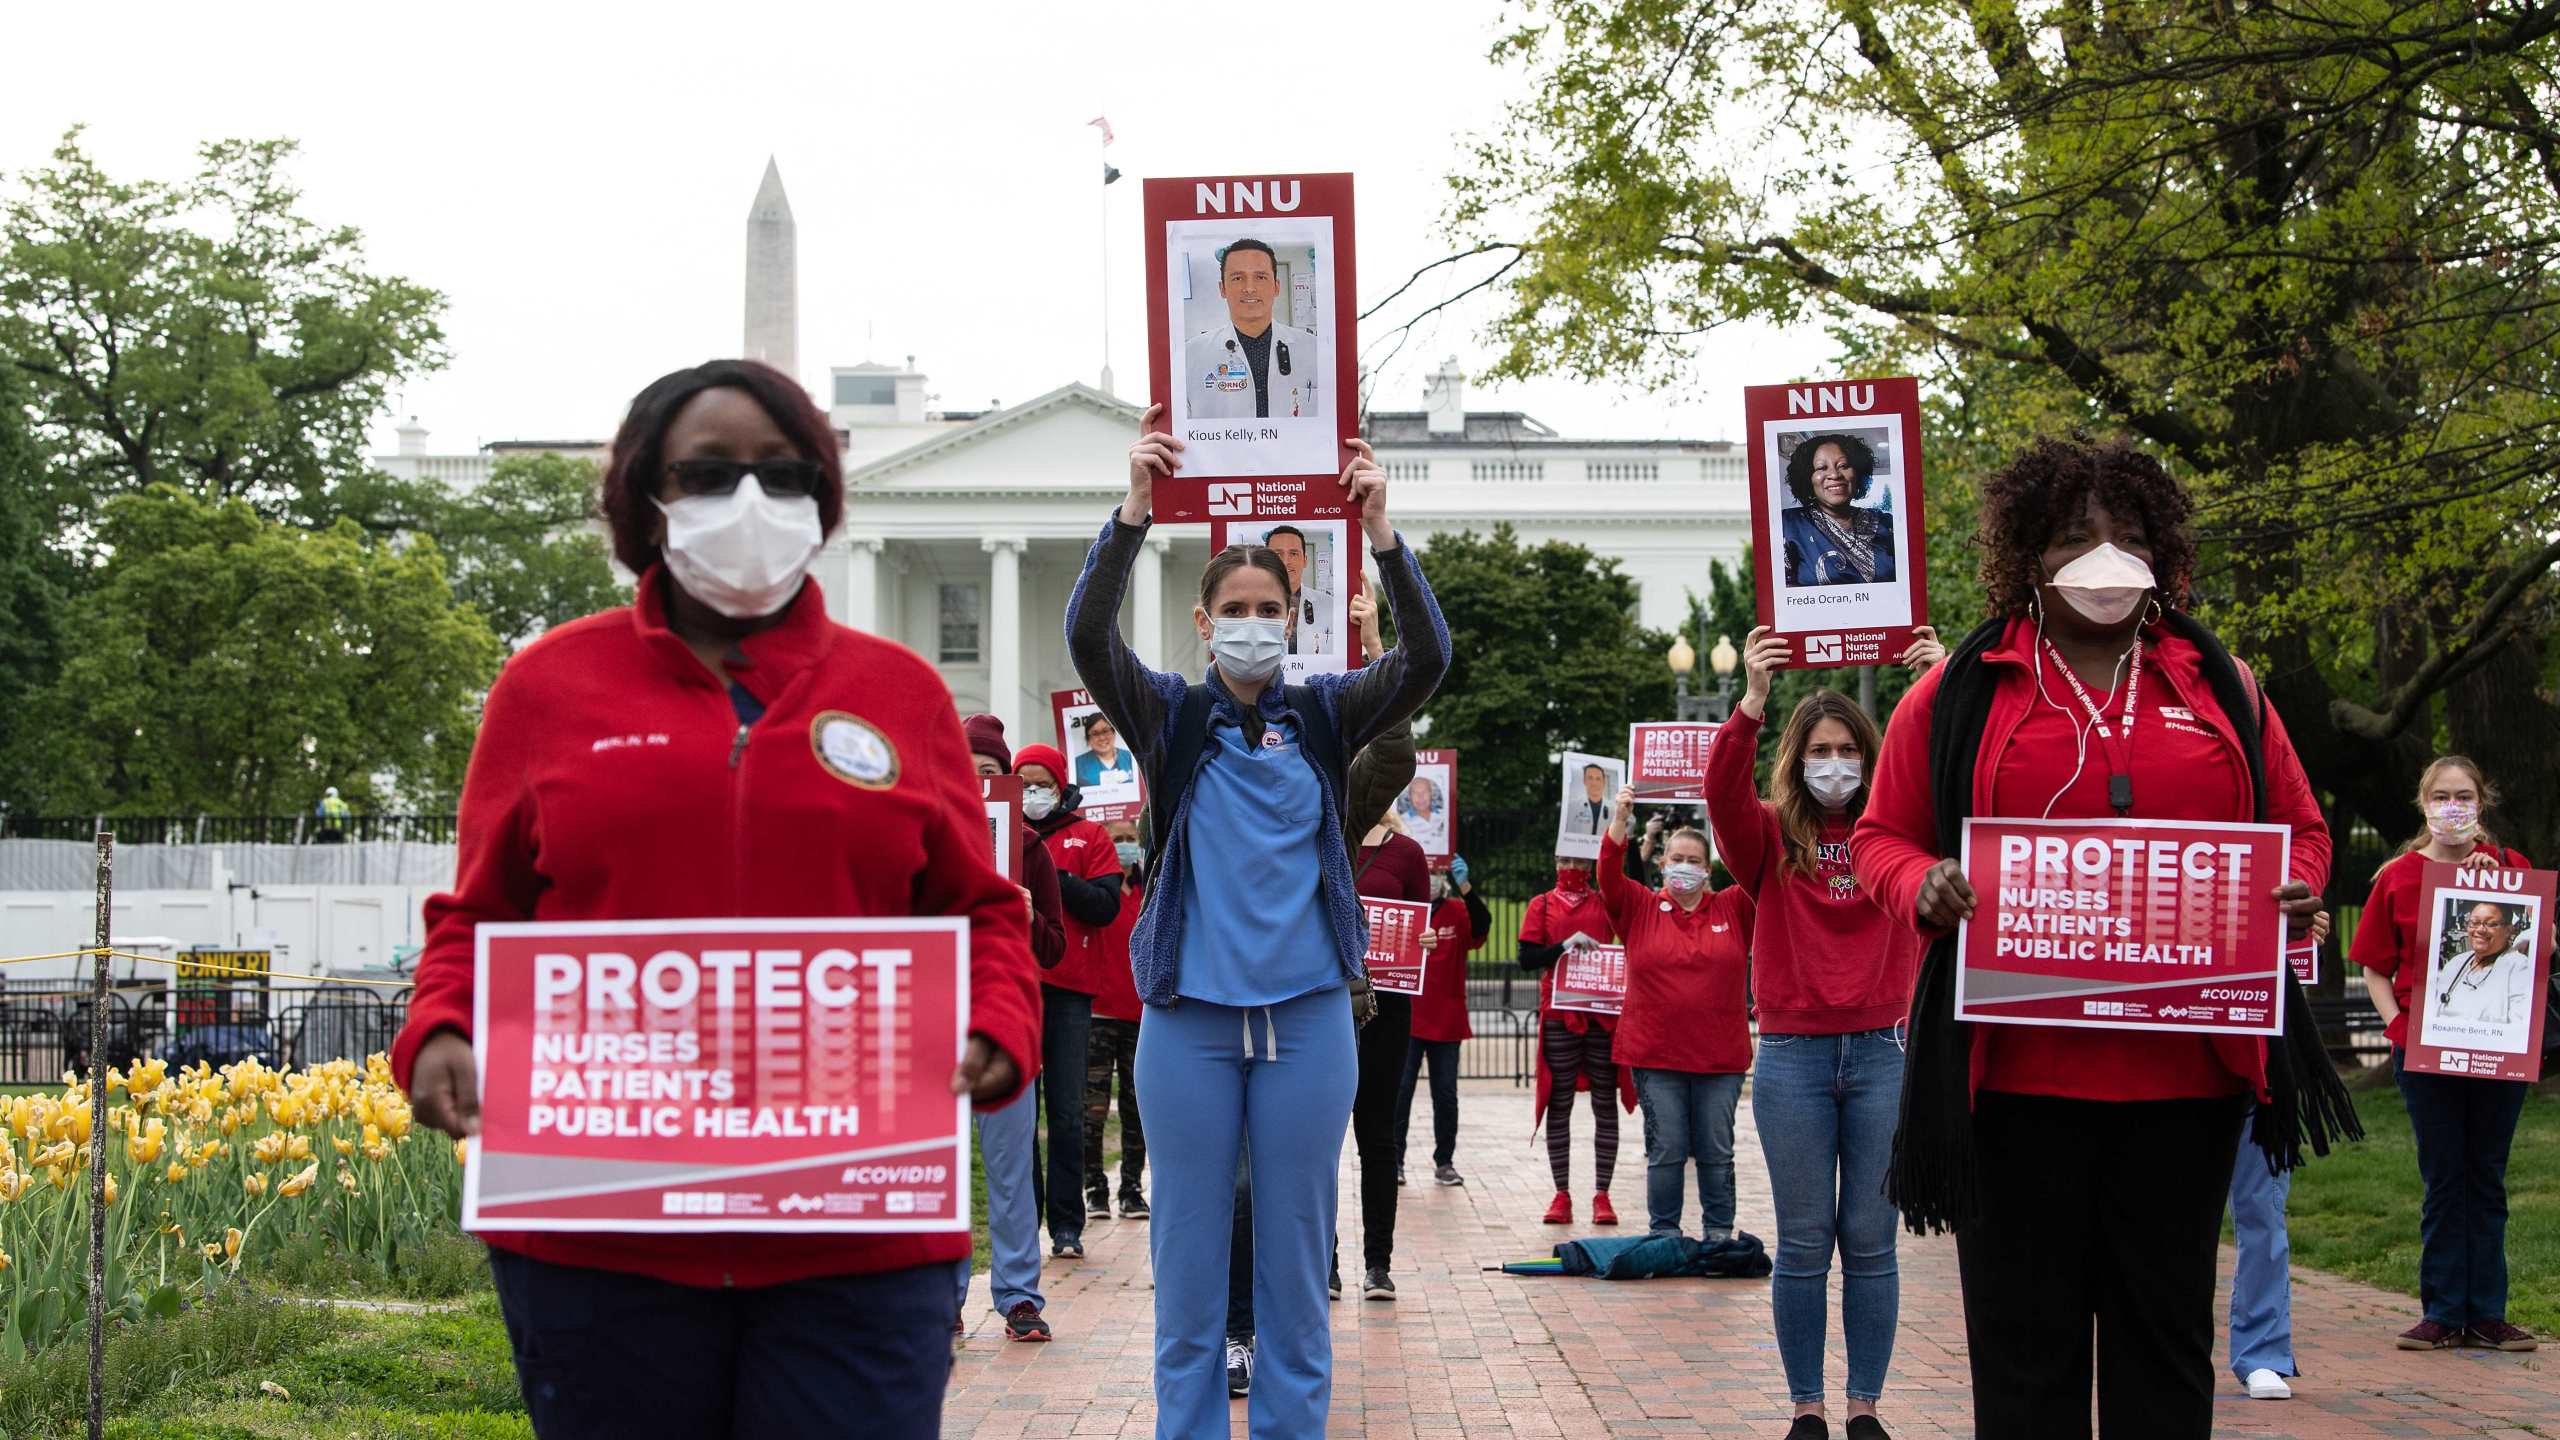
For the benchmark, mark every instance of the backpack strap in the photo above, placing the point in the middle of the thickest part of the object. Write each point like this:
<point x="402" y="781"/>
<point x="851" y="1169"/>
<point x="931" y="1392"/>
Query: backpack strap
<point x="1184" y="739"/>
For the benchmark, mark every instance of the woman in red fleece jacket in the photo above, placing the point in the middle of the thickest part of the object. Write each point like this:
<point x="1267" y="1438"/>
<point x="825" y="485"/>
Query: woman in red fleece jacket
<point x="1831" y="979"/>
<point x="777" y="764"/>
<point x="1684" y="1028"/>
<point x="2084" y="1170"/>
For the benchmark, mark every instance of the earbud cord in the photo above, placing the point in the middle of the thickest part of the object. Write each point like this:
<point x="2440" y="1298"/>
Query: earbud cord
<point x="2079" y="728"/>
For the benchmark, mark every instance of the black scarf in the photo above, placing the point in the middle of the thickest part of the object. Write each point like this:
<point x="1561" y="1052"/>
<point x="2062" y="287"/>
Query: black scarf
<point x="1935" y="1177"/>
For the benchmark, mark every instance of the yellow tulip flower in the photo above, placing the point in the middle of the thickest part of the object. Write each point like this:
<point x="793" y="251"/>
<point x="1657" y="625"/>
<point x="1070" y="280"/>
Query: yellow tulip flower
<point x="255" y="1183"/>
<point x="111" y="1189"/>
<point x="342" y="1144"/>
<point x="297" y="1147"/>
<point x="301" y="1181"/>
<point x="269" y="1149"/>
<point x="177" y="1173"/>
<point x="231" y="1239"/>
<point x="212" y="1251"/>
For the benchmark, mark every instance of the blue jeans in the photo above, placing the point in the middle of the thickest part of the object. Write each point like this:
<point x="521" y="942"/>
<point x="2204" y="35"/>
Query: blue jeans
<point x="1826" y="1107"/>
<point x="601" y="1354"/>
<point x="1688" y="1116"/>
<point x="2464" y="1129"/>
<point x="2262" y="1280"/>
<point x="1005" y="1143"/>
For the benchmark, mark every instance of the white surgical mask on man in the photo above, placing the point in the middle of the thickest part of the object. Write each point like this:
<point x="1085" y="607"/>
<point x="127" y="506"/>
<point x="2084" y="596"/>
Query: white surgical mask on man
<point x="1833" y="782"/>
<point x="1248" y="650"/>
<point x="743" y="553"/>
<point x="2105" y="585"/>
<point x="1038" y="801"/>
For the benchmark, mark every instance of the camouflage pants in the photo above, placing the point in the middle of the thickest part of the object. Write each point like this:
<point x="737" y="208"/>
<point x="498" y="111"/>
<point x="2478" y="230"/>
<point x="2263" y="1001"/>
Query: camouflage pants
<point x="1113" y="1049"/>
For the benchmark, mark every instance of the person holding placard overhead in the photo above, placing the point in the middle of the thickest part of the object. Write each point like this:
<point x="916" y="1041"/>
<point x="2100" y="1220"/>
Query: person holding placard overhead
<point x="2084" y="1170"/>
<point x="1575" y="1049"/>
<point x="794" y="767"/>
<point x="1686" y="1027"/>
<point x="1831" y="978"/>
<point x="1251" y="935"/>
<point x="2464" y="1125"/>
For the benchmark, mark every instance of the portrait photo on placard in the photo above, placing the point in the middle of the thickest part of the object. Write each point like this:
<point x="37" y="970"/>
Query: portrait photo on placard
<point x="1102" y="767"/>
<point x="1838" y="520"/>
<point x="1314" y="553"/>
<point x="1250" y="303"/>
<point x="1588" y="797"/>
<point x="1424" y="809"/>
<point x="2482" y="986"/>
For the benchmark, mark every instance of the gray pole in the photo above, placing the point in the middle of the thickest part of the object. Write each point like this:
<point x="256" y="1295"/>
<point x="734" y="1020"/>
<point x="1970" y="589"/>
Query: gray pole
<point x="98" y="1140"/>
<point x="1867" y="689"/>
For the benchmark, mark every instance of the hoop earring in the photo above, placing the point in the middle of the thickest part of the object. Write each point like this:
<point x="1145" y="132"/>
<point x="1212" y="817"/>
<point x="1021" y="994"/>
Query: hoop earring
<point x="2154" y="617"/>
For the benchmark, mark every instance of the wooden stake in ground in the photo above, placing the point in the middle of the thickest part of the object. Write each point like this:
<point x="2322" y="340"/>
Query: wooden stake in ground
<point x="98" y="1141"/>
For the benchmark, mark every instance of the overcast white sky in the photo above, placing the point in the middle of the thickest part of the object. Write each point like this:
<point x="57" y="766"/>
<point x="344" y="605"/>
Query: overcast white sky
<point x="576" y="179"/>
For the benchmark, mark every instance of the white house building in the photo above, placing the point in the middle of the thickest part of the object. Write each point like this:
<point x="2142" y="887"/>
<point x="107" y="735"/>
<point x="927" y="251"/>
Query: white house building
<point x="964" y="530"/>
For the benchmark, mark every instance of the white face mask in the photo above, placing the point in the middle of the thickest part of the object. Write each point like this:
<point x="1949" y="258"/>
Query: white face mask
<point x="1683" y="878"/>
<point x="1833" y="782"/>
<point x="1132" y="854"/>
<point x="2104" y="585"/>
<point x="1248" y="651"/>
<point x="743" y="553"/>
<point x="1038" y="801"/>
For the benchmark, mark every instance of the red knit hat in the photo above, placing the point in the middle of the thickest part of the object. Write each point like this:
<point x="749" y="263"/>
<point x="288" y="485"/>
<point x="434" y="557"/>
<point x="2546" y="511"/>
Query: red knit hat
<point x="1043" y="755"/>
<point x="986" y="737"/>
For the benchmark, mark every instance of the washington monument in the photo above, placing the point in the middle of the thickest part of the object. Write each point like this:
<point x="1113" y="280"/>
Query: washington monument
<point x="773" y="277"/>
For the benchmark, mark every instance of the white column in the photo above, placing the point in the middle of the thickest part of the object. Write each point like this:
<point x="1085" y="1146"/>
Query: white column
<point x="1004" y="632"/>
<point x="862" y="583"/>
<point x="1148" y="622"/>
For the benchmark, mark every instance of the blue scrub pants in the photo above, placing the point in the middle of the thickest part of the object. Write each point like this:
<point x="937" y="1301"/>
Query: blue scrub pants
<point x="1013" y="1217"/>
<point x="1210" y="1077"/>
<point x="2262" y="1280"/>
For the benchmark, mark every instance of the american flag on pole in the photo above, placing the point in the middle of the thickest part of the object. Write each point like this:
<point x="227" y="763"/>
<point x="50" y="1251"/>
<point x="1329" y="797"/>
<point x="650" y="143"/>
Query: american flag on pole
<point x="1103" y="124"/>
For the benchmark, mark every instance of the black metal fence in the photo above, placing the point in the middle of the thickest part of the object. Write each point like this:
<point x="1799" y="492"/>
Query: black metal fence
<point x="231" y="829"/>
<point x="44" y="1025"/>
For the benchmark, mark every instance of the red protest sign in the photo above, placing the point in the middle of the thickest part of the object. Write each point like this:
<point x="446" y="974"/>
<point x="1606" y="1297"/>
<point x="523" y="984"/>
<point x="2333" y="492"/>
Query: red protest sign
<point x="1667" y="761"/>
<point x="1836" y="517"/>
<point x="2305" y="960"/>
<point x="1250" y="326"/>
<point x="1429" y="806"/>
<point x="2124" y="925"/>
<point x="1592" y="980"/>
<point x="2478" y="1009"/>
<point x="1003" y="795"/>
<point x="720" y="1075"/>
<point x="1396" y="957"/>
<point x="1099" y="765"/>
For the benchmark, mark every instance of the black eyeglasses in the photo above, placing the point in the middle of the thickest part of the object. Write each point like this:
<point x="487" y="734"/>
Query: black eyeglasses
<point x="721" y="477"/>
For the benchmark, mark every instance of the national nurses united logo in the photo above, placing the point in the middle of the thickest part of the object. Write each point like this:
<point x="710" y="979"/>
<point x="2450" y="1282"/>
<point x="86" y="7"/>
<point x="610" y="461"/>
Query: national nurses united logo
<point x="853" y="751"/>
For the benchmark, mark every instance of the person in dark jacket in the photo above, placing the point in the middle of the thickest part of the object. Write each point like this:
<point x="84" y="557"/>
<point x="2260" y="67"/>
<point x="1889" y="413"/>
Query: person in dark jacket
<point x="1251" y="934"/>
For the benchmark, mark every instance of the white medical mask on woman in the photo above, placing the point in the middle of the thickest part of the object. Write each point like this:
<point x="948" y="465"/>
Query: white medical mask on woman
<point x="1834" y="782"/>
<point x="1248" y="650"/>
<point x="1131" y="853"/>
<point x="2105" y="585"/>
<point x="743" y="553"/>
<point x="1038" y="801"/>
<point x="1683" y="878"/>
<point x="2454" y="822"/>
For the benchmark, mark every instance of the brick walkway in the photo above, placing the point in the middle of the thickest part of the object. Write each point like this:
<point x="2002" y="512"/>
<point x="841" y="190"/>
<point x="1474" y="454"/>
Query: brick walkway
<point x="1465" y="1353"/>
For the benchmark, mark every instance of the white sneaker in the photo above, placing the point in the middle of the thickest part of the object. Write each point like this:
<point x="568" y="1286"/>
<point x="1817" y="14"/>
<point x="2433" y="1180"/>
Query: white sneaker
<point x="2268" y="1385"/>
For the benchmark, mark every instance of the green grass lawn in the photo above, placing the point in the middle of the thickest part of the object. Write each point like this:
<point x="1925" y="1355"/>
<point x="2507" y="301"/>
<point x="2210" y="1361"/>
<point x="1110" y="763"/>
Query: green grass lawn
<point x="2355" y="1213"/>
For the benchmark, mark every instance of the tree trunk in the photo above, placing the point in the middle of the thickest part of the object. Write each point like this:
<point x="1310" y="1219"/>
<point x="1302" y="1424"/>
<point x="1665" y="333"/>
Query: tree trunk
<point x="2496" y="716"/>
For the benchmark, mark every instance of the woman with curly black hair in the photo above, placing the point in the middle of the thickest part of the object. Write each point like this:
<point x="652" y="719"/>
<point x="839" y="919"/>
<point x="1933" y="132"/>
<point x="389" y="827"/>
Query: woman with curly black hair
<point x="2084" y="1170"/>
<point x="1829" y="539"/>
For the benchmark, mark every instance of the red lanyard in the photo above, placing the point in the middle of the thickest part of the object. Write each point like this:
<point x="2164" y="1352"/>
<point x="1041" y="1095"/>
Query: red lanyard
<point x="2119" y="774"/>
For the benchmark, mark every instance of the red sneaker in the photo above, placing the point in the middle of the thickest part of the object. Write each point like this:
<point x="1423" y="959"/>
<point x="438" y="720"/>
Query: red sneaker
<point x="1602" y="1212"/>
<point x="1561" y="1212"/>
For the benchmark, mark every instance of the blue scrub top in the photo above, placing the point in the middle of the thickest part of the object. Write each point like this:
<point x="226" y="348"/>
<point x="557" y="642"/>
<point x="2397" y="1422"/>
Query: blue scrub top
<point x="1253" y="922"/>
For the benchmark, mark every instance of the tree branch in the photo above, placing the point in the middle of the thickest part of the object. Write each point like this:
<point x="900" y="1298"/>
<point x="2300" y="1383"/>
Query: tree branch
<point x="2475" y="646"/>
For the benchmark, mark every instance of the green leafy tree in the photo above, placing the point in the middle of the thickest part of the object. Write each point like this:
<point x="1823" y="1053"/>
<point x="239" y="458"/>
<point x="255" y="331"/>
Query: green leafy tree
<point x="2305" y="253"/>
<point x="203" y="334"/>
<point x="33" y="579"/>
<point x="232" y="664"/>
<point x="1548" y="657"/>
<point x="521" y="546"/>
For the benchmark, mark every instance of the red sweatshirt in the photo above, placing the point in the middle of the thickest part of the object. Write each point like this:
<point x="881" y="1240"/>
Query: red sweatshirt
<point x="2186" y="765"/>
<point x="1823" y="960"/>
<point x="1083" y="849"/>
<point x="1394" y="869"/>
<point x="1553" y="917"/>
<point x="1440" y="1011"/>
<point x="2387" y="934"/>
<point x="1688" y="973"/>
<point x="1118" y="997"/>
<point x="612" y="781"/>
